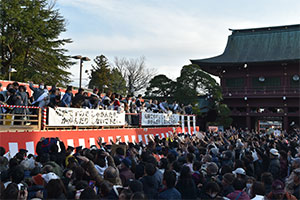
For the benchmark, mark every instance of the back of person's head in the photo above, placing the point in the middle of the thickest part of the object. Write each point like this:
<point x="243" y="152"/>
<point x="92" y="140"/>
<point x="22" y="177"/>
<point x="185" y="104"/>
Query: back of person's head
<point x="45" y="157"/>
<point x="226" y="169"/>
<point x="12" y="163"/>
<point x="212" y="188"/>
<point x="15" y="84"/>
<point x="196" y="166"/>
<point x="138" y="196"/>
<point x="55" y="188"/>
<point x="111" y="174"/>
<point x="171" y="157"/>
<point x="267" y="178"/>
<point x="228" y="178"/>
<point x="105" y="188"/>
<point x="80" y="90"/>
<point x="54" y="148"/>
<point x="212" y="168"/>
<point x="239" y="184"/>
<point x="88" y="193"/>
<point x="145" y="155"/>
<point x="120" y="151"/>
<point x="46" y="169"/>
<point x="176" y="166"/>
<point x="150" y="169"/>
<point x="79" y="172"/>
<point x="152" y="160"/>
<point x="185" y="173"/>
<point x="17" y="174"/>
<point x="10" y="192"/>
<point x="135" y="186"/>
<point x="258" y="188"/>
<point x="125" y="194"/>
<point x="163" y="163"/>
<point x="169" y="178"/>
<point x="69" y="88"/>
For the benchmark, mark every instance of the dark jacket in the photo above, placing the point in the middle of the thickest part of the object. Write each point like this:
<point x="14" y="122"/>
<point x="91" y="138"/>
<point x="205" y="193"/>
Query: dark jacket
<point x="125" y="175"/>
<point x="274" y="167"/>
<point x="150" y="187"/>
<point x="187" y="188"/>
<point x="170" y="194"/>
<point x="227" y="190"/>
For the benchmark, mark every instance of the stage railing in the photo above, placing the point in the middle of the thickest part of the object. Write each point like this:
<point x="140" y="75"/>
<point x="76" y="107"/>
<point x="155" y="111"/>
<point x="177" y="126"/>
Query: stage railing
<point x="13" y="117"/>
<point x="36" y="118"/>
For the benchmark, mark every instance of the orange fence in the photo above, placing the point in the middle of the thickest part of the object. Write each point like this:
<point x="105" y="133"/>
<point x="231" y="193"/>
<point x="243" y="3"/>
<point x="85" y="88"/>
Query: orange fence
<point x="13" y="141"/>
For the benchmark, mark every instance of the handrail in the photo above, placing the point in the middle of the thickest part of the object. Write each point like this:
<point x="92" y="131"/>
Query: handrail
<point x="37" y="119"/>
<point x="20" y="118"/>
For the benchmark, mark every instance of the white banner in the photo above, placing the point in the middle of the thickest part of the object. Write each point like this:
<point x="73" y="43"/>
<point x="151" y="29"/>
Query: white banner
<point x="62" y="116"/>
<point x="159" y="119"/>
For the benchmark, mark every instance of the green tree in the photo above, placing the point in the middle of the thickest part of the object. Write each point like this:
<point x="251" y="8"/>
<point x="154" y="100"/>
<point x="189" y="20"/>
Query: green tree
<point x="100" y="74"/>
<point x="30" y="41"/>
<point x="104" y="76"/>
<point x="223" y="117"/>
<point x="161" y="86"/>
<point x="192" y="82"/>
<point x="117" y="83"/>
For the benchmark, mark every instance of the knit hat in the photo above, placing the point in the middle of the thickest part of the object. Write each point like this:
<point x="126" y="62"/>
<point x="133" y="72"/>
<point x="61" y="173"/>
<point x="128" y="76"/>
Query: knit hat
<point x="277" y="187"/>
<point x="127" y="162"/>
<point x="38" y="179"/>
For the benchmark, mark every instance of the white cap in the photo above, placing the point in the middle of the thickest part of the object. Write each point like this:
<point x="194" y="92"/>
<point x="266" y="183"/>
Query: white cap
<point x="48" y="177"/>
<point x="274" y="152"/>
<point x="239" y="171"/>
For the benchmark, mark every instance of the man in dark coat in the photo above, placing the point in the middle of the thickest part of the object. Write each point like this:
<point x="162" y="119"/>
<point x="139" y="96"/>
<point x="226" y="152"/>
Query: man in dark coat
<point x="274" y="166"/>
<point x="170" y="192"/>
<point x="150" y="185"/>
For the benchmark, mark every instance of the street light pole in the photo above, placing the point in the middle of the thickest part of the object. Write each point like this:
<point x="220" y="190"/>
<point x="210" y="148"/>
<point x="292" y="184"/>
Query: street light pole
<point x="80" y="66"/>
<point x="80" y="74"/>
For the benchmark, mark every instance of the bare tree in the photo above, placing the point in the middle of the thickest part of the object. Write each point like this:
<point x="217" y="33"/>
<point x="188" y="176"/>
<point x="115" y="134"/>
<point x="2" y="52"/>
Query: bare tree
<point x="135" y="73"/>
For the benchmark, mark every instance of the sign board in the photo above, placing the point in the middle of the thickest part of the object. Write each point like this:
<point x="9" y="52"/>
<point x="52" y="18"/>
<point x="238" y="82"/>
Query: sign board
<point x="62" y="116"/>
<point x="213" y="129"/>
<point x="159" y="119"/>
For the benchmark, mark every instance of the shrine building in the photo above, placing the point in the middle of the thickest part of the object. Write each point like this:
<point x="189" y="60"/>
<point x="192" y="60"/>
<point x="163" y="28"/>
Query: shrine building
<point x="259" y="73"/>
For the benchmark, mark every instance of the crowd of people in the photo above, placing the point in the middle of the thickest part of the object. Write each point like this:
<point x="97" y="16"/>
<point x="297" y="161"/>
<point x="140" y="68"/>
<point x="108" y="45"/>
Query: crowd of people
<point x="235" y="165"/>
<point x="16" y="94"/>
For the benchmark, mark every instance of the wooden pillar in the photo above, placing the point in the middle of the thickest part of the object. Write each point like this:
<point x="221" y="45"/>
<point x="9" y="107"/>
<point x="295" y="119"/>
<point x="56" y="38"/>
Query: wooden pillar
<point x="248" y="118"/>
<point x="285" y="119"/>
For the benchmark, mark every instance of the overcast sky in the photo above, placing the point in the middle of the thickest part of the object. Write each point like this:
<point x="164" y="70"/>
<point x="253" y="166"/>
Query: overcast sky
<point x="166" y="32"/>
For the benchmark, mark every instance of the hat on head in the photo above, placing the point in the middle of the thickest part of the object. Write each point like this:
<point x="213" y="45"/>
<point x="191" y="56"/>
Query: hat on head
<point x="277" y="187"/>
<point x="127" y="162"/>
<point x="239" y="171"/>
<point x="38" y="179"/>
<point x="274" y="152"/>
<point x="48" y="177"/>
